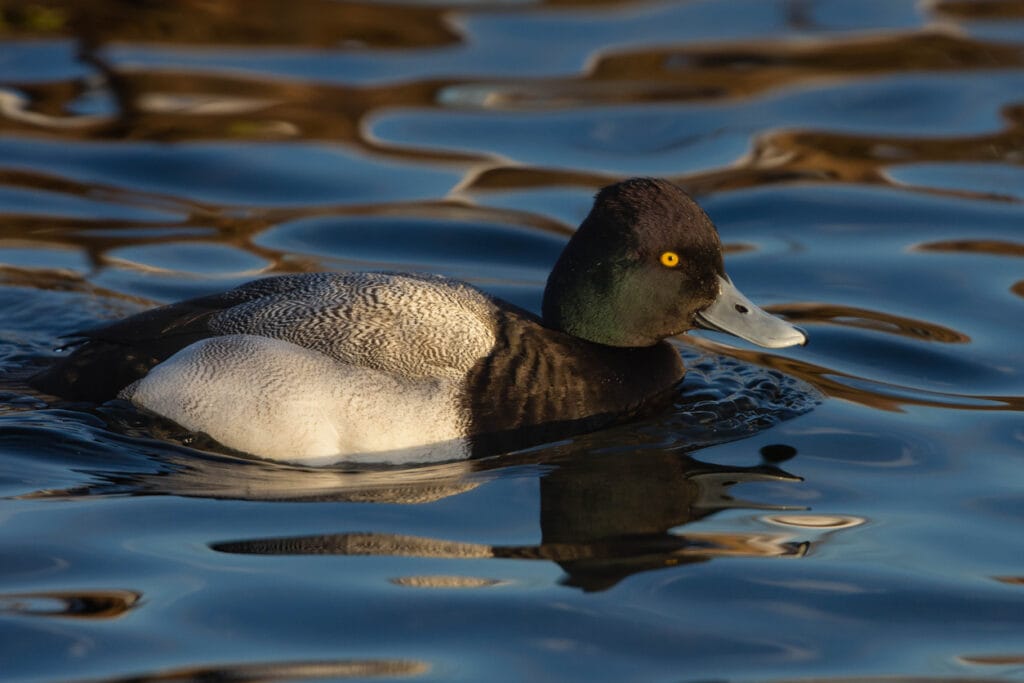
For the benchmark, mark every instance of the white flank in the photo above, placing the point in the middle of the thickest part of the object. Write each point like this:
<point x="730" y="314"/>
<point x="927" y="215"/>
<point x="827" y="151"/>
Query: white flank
<point x="277" y="400"/>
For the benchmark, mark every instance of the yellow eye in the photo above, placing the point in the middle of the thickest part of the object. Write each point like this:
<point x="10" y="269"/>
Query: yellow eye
<point x="670" y="259"/>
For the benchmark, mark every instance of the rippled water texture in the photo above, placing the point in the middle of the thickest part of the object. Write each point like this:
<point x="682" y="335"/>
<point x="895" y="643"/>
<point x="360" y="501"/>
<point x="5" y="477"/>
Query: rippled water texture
<point x="852" y="510"/>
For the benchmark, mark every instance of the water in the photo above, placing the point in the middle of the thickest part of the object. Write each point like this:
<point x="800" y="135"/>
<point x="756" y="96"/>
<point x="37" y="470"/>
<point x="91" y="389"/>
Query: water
<point x="846" y="511"/>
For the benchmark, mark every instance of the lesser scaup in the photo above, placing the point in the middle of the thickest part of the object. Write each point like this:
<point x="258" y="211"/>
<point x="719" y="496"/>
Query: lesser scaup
<point x="325" y="367"/>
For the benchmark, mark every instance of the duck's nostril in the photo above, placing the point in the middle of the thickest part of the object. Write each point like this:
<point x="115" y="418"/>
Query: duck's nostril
<point x="740" y="308"/>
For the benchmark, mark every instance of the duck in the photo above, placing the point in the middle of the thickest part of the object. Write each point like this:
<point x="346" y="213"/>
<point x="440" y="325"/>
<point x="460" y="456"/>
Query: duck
<point x="404" y="368"/>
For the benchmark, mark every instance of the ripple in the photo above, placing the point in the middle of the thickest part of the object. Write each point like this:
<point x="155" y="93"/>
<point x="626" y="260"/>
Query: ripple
<point x="721" y="397"/>
<point x="750" y="68"/>
<point x="1011" y="580"/>
<point x="71" y="604"/>
<point x="990" y="246"/>
<point x="263" y="175"/>
<point x="283" y="671"/>
<point x="399" y="241"/>
<point x="21" y="198"/>
<point x="195" y="258"/>
<point x="980" y="179"/>
<point x="25" y="255"/>
<point x="993" y="660"/>
<point x="874" y="393"/>
<point x="983" y="10"/>
<point x="893" y="678"/>
<point x="851" y="316"/>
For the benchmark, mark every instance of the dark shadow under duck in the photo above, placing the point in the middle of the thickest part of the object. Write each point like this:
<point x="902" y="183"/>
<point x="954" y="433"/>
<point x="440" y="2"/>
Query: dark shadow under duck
<point x="326" y="367"/>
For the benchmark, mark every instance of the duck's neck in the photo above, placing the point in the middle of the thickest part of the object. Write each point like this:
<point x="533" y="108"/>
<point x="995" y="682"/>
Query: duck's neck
<point x="583" y="298"/>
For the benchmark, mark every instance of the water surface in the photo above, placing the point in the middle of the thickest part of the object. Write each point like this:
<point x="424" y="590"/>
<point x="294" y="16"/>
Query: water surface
<point x="850" y="510"/>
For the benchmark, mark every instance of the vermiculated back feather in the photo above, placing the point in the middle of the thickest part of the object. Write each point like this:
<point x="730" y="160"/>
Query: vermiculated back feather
<point x="412" y="325"/>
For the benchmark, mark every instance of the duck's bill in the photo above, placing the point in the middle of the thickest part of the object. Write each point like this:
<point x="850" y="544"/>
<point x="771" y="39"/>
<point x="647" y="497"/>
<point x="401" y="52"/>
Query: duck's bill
<point x="734" y="314"/>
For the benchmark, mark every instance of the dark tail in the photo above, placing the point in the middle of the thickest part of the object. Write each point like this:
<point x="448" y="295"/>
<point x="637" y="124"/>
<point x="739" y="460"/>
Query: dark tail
<point x="95" y="371"/>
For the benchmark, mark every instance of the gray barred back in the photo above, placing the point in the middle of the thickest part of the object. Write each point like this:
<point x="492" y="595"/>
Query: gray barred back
<point x="411" y="325"/>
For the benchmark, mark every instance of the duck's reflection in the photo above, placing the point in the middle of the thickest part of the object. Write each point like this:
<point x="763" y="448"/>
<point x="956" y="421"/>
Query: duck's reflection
<point x="602" y="518"/>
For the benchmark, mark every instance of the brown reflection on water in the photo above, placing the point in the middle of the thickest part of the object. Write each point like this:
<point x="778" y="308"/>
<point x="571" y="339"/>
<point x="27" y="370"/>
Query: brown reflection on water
<point x="787" y="156"/>
<point x="278" y="23"/>
<point x="266" y="23"/>
<point x="851" y="316"/>
<point x="89" y="604"/>
<point x="894" y="679"/>
<point x="65" y="281"/>
<point x="1011" y="580"/>
<point x="266" y="672"/>
<point x="853" y="158"/>
<point x="725" y="71"/>
<point x="985" y="10"/>
<point x="734" y="70"/>
<point x="179" y="106"/>
<point x="993" y="247"/>
<point x="797" y="155"/>
<point x="225" y="225"/>
<point x="744" y="69"/>
<point x="176" y="104"/>
<point x="993" y="660"/>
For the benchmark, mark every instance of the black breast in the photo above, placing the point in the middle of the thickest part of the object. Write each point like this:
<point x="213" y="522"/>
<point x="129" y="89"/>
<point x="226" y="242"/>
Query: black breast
<point x="541" y="385"/>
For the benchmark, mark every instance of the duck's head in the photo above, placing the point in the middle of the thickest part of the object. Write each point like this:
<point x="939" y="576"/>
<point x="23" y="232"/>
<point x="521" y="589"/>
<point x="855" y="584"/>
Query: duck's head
<point x="646" y="264"/>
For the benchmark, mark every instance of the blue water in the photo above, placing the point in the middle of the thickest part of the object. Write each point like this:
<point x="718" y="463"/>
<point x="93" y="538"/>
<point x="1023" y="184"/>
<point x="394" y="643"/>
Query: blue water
<point x="846" y="511"/>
